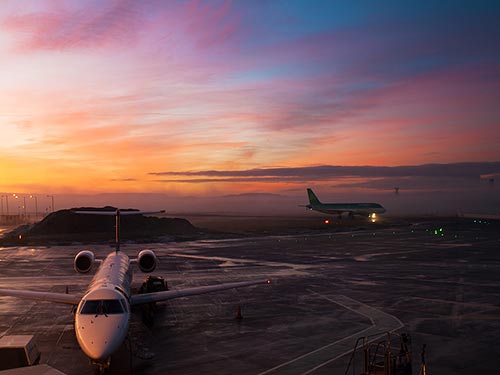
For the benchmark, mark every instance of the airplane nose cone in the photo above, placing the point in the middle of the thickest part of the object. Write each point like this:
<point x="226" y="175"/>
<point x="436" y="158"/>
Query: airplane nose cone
<point x="99" y="337"/>
<point x="100" y="351"/>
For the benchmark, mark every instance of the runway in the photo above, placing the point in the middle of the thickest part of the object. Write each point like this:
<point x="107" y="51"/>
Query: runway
<point x="329" y="288"/>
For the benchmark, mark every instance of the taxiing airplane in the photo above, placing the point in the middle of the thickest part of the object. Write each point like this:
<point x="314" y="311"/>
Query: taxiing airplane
<point x="103" y="313"/>
<point x="366" y="209"/>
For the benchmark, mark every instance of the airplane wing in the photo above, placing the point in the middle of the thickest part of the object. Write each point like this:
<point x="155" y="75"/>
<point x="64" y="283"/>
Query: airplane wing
<point x="138" y="299"/>
<point x="69" y="299"/>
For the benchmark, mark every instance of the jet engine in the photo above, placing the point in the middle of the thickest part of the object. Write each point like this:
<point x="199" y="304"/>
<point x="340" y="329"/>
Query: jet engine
<point x="147" y="261"/>
<point x="83" y="261"/>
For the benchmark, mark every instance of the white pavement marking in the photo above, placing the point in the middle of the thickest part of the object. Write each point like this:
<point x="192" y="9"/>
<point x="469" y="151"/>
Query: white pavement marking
<point x="67" y="327"/>
<point x="281" y="269"/>
<point x="307" y="363"/>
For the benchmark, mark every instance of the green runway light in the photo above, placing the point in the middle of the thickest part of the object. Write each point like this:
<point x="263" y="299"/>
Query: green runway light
<point x="435" y="231"/>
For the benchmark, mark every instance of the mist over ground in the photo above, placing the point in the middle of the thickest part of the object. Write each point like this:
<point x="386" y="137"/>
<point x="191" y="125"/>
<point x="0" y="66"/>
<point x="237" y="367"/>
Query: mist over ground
<point x="483" y="199"/>
<point x="430" y="189"/>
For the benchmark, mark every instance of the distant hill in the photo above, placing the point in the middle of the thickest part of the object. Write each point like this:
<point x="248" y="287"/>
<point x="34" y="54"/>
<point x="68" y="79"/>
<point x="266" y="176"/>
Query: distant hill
<point x="66" y="226"/>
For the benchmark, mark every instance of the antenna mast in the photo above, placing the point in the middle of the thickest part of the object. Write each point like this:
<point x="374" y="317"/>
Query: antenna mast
<point x="117" y="234"/>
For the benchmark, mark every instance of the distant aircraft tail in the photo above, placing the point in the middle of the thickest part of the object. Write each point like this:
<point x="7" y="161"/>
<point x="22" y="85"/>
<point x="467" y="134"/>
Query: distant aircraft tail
<point x="313" y="199"/>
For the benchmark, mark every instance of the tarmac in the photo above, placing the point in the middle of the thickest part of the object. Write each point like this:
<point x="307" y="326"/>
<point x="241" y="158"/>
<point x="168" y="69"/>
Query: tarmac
<point x="436" y="280"/>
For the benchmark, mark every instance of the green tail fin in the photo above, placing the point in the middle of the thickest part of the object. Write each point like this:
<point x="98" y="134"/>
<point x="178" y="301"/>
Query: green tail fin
<point x="313" y="199"/>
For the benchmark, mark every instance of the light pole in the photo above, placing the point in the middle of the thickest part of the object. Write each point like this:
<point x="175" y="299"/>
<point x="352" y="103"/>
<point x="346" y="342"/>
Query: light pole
<point x="19" y="207"/>
<point x="36" y="205"/>
<point x="51" y="196"/>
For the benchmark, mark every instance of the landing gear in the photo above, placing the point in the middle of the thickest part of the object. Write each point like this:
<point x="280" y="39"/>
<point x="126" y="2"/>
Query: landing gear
<point x="102" y="367"/>
<point x="148" y="314"/>
<point x="151" y="285"/>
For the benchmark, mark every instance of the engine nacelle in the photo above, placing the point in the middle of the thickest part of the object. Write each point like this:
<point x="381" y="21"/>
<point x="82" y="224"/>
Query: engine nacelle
<point x="83" y="261"/>
<point x="147" y="261"/>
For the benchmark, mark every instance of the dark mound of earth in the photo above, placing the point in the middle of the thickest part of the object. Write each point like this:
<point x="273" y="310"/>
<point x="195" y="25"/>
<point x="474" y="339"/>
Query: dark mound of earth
<point x="67" y="226"/>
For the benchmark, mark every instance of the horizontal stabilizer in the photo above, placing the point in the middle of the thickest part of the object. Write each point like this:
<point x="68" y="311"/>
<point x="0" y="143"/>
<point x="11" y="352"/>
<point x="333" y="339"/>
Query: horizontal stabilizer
<point x="122" y="213"/>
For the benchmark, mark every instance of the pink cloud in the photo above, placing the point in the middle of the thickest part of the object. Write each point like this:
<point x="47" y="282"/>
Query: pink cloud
<point x="124" y="23"/>
<point x="92" y="27"/>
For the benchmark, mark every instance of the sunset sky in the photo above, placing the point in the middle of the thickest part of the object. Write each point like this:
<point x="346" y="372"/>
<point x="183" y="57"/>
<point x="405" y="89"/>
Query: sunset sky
<point x="213" y="98"/>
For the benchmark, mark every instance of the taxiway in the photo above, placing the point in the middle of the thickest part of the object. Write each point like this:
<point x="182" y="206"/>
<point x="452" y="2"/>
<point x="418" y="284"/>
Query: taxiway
<point x="329" y="288"/>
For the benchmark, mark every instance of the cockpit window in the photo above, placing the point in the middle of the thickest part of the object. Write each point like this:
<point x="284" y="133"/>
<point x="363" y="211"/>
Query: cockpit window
<point x="102" y="307"/>
<point x="124" y="305"/>
<point x="90" y="307"/>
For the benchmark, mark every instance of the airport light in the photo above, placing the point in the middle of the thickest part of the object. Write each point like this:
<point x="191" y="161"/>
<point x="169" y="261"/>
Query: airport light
<point x="439" y="232"/>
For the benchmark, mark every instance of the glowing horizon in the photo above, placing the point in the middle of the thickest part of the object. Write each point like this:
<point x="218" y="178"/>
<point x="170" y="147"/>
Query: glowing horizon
<point x="98" y="97"/>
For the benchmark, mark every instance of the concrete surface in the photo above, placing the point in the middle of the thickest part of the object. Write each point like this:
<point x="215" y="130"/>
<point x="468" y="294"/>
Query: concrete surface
<point x="328" y="289"/>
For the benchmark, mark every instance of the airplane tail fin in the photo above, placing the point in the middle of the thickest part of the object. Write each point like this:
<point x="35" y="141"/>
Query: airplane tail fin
<point x="313" y="199"/>
<point x="117" y="213"/>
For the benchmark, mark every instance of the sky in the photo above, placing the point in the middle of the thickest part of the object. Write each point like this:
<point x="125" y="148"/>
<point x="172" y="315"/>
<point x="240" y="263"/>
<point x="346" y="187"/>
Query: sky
<point x="203" y="99"/>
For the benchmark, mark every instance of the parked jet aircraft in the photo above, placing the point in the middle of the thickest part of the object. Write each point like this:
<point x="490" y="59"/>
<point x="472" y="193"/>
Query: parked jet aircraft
<point x="366" y="209"/>
<point x="103" y="312"/>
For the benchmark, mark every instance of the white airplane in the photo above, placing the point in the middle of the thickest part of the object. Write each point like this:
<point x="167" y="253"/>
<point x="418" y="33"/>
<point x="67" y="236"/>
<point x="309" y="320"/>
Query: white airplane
<point x="103" y="313"/>
<point x="366" y="209"/>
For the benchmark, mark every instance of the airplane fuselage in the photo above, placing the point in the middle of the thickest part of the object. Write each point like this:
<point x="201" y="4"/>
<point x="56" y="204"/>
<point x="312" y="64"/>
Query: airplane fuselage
<point x="102" y="316"/>
<point x="352" y="208"/>
<point x="366" y="209"/>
